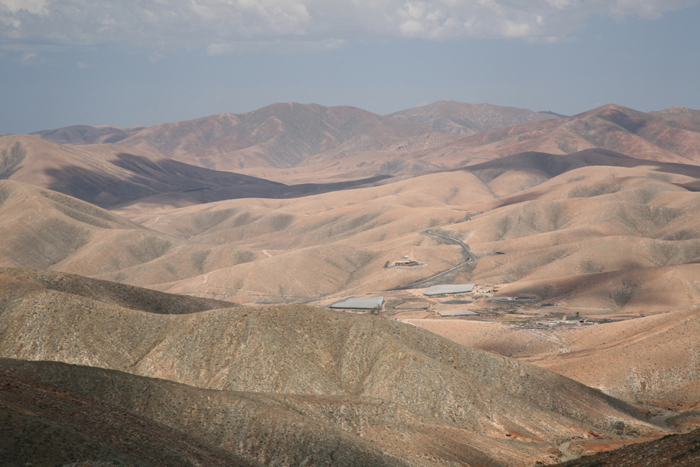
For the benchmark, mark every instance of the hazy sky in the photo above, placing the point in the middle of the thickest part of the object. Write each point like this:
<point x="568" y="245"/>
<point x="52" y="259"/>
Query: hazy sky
<point x="143" y="62"/>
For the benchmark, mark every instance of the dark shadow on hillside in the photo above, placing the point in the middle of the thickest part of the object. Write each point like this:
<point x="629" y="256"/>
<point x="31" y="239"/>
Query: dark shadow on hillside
<point x="552" y="165"/>
<point x="144" y="178"/>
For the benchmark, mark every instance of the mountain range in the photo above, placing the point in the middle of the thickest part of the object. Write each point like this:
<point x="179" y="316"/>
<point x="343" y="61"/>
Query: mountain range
<point x="173" y="279"/>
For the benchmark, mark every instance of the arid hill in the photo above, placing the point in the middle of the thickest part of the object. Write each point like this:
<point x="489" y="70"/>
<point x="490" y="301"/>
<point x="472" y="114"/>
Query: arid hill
<point x="295" y="143"/>
<point x="679" y="450"/>
<point x="359" y="382"/>
<point x="85" y="134"/>
<point x="46" y="425"/>
<point x="647" y="136"/>
<point x="653" y="359"/>
<point x="679" y="113"/>
<point x="611" y="127"/>
<point x="279" y="135"/>
<point x="556" y="218"/>
<point x="467" y="119"/>
<point x="109" y="175"/>
<point x="285" y="135"/>
<point x="594" y="216"/>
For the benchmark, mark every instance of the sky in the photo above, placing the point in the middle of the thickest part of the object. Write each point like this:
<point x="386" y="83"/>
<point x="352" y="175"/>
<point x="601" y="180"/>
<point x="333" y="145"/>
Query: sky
<point x="144" y="62"/>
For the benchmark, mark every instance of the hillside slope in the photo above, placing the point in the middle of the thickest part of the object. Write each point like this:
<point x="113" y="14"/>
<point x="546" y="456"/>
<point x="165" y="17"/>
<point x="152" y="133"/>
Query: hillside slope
<point x="338" y="357"/>
<point x="467" y="119"/>
<point x="46" y="425"/>
<point x="109" y="175"/>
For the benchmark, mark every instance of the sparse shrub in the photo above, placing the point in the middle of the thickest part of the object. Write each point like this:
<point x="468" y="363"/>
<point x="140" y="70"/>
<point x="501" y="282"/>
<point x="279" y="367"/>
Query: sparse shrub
<point x="660" y="176"/>
<point x="664" y="253"/>
<point x="678" y="456"/>
<point x="647" y="194"/>
<point x="454" y="191"/>
<point x="244" y="256"/>
<point x="549" y="291"/>
<point x="589" y="267"/>
<point x="596" y="463"/>
<point x="626" y="291"/>
<point x="683" y="234"/>
<point x="502" y="227"/>
<point x="555" y="213"/>
<point x="10" y="160"/>
<point x="590" y="191"/>
<point x="642" y="219"/>
<point x="280" y="221"/>
<point x="433" y="223"/>
<point x="488" y="175"/>
<point x="198" y="259"/>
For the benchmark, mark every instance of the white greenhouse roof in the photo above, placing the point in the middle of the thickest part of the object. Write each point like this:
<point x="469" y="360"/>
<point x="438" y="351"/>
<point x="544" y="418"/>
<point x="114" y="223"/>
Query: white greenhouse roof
<point x="359" y="303"/>
<point x="449" y="289"/>
<point x="457" y="313"/>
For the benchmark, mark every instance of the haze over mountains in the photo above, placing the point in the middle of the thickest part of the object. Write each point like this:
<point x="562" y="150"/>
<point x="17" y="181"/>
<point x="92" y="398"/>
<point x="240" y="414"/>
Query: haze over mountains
<point x="296" y="205"/>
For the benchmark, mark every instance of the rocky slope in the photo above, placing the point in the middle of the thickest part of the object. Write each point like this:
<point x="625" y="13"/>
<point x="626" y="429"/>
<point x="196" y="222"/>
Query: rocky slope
<point x="372" y="378"/>
<point x="467" y="119"/>
<point x="47" y="425"/>
<point x="681" y="450"/>
<point x="109" y="175"/>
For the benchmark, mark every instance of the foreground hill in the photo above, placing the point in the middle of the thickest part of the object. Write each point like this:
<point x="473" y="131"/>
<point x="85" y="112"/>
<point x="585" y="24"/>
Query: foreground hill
<point x="47" y="425"/>
<point x="682" y="450"/>
<point x="362" y="381"/>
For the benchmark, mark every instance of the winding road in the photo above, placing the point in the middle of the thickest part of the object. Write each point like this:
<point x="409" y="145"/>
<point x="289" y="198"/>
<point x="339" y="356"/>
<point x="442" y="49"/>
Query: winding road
<point x="471" y="259"/>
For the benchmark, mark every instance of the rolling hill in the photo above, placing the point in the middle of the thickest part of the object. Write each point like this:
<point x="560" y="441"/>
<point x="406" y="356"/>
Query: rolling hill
<point x="467" y="119"/>
<point x="285" y="135"/>
<point x="280" y="135"/>
<point x="656" y="137"/>
<point x="108" y="175"/>
<point x="333" y="384"/>
<point x="594" y="216"/>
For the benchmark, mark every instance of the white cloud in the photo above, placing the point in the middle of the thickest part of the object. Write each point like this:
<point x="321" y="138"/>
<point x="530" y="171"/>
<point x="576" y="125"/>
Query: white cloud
<point x="33" y="58"/>
<point x="280" y="46"/>
<point x="37" y="7"/>
<point x="223" y="26"/>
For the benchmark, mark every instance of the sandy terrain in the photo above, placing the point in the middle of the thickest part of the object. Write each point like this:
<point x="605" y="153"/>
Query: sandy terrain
<point x="594" y="217"/>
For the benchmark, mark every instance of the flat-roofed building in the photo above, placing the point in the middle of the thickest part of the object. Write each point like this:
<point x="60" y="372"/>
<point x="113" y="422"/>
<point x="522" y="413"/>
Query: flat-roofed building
<point x="367" y="303"/>
<point x="448" y="289"/>
<point x="449" y="313"/>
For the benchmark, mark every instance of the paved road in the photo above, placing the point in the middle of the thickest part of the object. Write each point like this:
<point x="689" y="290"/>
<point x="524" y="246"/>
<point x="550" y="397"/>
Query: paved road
<point x="471" y="259"/>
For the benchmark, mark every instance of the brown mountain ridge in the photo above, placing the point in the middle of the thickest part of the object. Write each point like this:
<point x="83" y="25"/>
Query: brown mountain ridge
<point x="363" y="381"/>
<point x="590" y="219"/>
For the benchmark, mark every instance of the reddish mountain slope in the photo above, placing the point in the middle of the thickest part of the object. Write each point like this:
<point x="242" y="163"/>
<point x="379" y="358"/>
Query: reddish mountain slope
<point x="467" y="119"/>
<point x="279" y="135"/>
<point x="610" y="127"/>
<point x="679" y="113"/>
<point x="85" y="134"/>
